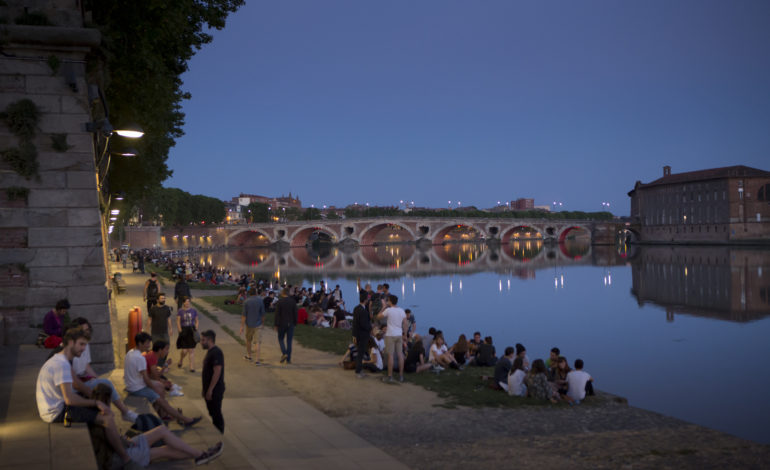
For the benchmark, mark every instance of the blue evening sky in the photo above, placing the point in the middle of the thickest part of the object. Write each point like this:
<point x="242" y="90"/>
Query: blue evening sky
<point x="572" y="101"/>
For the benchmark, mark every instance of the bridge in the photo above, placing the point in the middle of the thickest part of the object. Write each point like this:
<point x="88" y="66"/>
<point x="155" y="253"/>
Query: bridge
<point x="390" y="230"/>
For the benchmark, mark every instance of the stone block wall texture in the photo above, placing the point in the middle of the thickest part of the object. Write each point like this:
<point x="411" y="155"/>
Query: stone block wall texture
<point x="51" y="242"/>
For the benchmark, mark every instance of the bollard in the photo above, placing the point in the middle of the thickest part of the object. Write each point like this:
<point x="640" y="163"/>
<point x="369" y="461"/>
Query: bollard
<point x="134" y="326"/>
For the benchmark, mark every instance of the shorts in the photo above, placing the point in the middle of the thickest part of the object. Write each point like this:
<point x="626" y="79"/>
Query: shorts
<point x="391" y="343"/>
<point x="78" y="414"/>
<point x="139" y="451"/>
<point x="147" y="393"/>
<point x="254" y="331"/>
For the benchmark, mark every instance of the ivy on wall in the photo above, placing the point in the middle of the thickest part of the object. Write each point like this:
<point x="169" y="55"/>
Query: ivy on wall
<point x="22" y="117"/>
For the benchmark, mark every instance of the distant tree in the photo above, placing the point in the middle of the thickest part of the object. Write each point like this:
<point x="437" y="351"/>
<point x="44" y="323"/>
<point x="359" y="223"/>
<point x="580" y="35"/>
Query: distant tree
<point x="256" y="212"/>
<point x="332" y="215"/>
<point x="312" y="213"/>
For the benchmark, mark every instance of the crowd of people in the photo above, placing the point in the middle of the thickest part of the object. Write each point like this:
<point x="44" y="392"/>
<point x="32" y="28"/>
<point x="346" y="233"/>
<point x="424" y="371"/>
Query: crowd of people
<point x="68" y="390"/>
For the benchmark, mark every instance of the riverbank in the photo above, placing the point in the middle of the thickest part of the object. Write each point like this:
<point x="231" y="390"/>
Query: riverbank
<point x="425" y="430"/>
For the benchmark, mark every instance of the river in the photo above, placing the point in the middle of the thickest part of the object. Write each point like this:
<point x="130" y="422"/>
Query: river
<point x="678" y="330"/>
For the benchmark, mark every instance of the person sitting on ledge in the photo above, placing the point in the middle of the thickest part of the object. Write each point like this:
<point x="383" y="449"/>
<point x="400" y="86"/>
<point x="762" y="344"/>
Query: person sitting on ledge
<point x="85" y="379"/>
<point x="139" y="383"/>
<point x="53" y="324"/>
<point x="140" y="449"/>
<point x="57" y="401"/>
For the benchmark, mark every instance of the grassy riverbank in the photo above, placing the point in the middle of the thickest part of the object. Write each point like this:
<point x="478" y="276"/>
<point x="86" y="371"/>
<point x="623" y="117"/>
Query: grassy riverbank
<point x="166" y="279"/>
<point x="458" y="388"/>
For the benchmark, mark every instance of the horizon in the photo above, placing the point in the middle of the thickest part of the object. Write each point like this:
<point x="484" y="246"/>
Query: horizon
<point x="441" y="101"/>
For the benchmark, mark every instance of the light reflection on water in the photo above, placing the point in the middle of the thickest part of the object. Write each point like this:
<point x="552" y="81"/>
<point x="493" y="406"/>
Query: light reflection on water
<point x="678" y="330"/>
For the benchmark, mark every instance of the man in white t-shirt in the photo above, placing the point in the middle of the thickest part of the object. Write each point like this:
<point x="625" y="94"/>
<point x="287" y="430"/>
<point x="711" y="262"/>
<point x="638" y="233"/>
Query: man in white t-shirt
<point x="395" y="335"/>
<point x="139" y="383"/>
<point x="84" y="379"/>
<point x="57" y="400"/>
<point x="576" y="382"/>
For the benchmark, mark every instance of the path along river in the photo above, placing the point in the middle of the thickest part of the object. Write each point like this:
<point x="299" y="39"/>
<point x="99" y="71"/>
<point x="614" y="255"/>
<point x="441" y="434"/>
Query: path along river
<point x="678" y="330"/>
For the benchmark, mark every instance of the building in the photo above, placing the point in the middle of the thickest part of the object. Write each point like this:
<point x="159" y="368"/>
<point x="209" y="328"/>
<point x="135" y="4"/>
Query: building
<point x="235" y="206"/>
<point x="523" y="204"/>
<point x="718" y="205"/>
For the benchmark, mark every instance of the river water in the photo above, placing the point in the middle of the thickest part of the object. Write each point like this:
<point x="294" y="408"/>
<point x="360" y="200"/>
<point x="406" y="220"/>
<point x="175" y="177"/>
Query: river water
<point x="682" y="331"/>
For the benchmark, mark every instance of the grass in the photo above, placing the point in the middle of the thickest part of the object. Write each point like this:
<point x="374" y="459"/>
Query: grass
<point x="457" y="388"/>
<point x="215" y="319"/>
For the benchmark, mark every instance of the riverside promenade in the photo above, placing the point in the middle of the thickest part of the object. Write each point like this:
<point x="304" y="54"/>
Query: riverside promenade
<point x="267" y="426"/>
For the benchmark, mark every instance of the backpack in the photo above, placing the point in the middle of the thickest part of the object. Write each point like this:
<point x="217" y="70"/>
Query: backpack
<point x="152" y="290"/>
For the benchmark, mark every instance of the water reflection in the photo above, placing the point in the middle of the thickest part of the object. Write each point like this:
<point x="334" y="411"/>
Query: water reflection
<point x="718" y="282"/>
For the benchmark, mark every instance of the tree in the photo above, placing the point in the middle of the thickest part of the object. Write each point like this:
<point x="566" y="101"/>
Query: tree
<point x="146" y="45"/>
<point x="256" y="212"/>
<point x="311" y="213"/>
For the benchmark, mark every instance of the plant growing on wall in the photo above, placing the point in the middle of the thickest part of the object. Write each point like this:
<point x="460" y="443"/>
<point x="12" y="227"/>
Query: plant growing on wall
<point x="59" y="142"/>
<point x="22" y="117"/>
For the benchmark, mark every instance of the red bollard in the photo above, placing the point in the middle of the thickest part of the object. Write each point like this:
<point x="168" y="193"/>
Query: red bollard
<point x="134" y="326"/>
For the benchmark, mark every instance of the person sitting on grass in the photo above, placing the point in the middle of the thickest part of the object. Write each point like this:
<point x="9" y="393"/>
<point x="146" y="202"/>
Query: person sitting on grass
<point x="415" y="358"/>
<point x="553" y="360"/>
<point x="140" y="450"/>
<point x="516" y="385"/>
<point x="558" y="378"/>
<point x="502" y="369"/>
<point x="373" y="363"/>
<point x="486" y="355"/>
<point x="521" y="352"/>
<point x="538" y="385"/>
<point x="473" y="345"/>
<point x="139" y="383"/>
<point x="440" y="356"/>
<point x="240" y="297"/>
<point x="461" y="350"/>
<point x="576" y="383"/>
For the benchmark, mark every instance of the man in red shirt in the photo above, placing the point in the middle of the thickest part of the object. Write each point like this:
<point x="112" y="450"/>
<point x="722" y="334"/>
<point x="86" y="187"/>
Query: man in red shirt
<point x="157" y="360"/>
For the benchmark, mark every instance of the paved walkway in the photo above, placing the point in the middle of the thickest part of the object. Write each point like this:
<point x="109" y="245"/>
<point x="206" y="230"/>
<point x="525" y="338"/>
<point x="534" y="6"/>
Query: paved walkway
<point x="267" y="427"/>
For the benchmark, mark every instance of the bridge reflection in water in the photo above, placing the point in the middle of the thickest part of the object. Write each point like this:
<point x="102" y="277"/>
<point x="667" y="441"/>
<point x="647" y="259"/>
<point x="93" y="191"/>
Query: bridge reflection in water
<point x="395" y="260"/>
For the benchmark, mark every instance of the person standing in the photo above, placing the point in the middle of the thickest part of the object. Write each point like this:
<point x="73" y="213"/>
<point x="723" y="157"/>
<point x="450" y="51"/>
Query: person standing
<point x="187" y="325"/>
<point x="181" y="291"/>
<point x="252" y="317"/>
<point x="362" y="330"/>
<point x="395" y="335"/>
<point x="285" y="321"/>
<point x="159" y="320"/>
<point x="213" y="376"/>
<point x="151" y="290"/>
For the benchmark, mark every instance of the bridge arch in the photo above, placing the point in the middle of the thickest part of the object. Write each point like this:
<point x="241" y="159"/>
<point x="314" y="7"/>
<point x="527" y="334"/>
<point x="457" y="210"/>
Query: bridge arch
<point x="250" y="237"/>
<point x="522" y="232"/>
<point x="444" y="234"/>
<point x="574" y="230"/>
<point x="372" y="231"/>
<point x="302" y="236"/>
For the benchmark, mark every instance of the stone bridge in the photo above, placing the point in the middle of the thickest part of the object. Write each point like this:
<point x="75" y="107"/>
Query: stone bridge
<point x="518" y="258"/>
<point x="389" y="230"/>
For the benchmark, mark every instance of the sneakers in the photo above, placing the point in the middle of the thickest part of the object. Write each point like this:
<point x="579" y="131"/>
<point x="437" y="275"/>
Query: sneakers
<point x="248" y="358"/>
<point x="175" y="393"/>
<point x="130" y="416"/>
<point x="283" y="358"/>
<point x="388" y="380"/>
<point x="257" y="363"/>
<point x="212" y="453"/>
<point x="361" y="375"/>
<point x="193" y="422"/>
<point x="401" y="379"/>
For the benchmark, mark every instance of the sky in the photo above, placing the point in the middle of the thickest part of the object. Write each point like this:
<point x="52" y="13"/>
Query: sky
<point x="478" y="102"/>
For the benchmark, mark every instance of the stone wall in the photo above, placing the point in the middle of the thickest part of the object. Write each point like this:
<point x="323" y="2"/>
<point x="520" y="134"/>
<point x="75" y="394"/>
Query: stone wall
<point x="51" y="242"/>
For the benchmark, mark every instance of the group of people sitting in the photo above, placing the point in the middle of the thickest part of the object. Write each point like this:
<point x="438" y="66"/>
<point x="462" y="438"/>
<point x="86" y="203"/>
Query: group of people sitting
<point x="68" y="390"/>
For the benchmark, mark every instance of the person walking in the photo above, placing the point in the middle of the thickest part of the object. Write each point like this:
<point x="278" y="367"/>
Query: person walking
<point x="187" y="325"/>
<point x="285" y="320"/>
<point x="181" y="291"/>
<point x="362" y="330"/>
<point x="252" y="321"/>
<point x="159" y="320"/>
<point x="213" y="378"/>
<point x="151" y="290"/>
